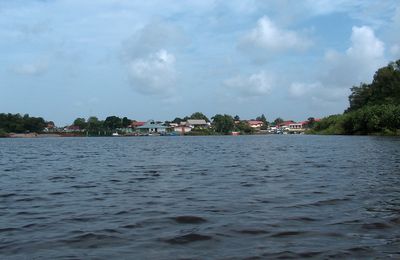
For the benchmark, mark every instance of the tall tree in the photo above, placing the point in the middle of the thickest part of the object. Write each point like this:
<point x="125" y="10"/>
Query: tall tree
<point x="126" y="122"/>
<point x="199" y="115"/>
<point x="112" y="123"/>
<point x="263" y="119"/>
<point x="80" y="122"/>
<point x="278" y="121"/>
<point x="177" y="120"/>
<point x="223" y="123"/>
<point x="94" y="124"/>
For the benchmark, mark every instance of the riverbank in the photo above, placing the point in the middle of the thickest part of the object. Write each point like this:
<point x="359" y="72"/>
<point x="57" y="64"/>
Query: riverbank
<point x="37" y="135"/>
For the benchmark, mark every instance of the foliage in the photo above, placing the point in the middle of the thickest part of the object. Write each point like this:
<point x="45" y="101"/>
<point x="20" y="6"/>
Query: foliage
<point x="223" y="124"/>
<point x="199" y="115"/>
<point x="374" y="108"/>
<point x="126" y="122"/>
<point x="112" y="122"/>
<point x="94" y="125"/>
<point x="80" y="122"/>
<point x="244" y="128"/>
<point x="177" y="120"/>
<point x="21" y="124"/>
<point x="310" y="122"/>
<point x="328" y="125"/>
<point x="3" y="133"/>
<point x="384" y="89"/>
<point x="263" y="119"/>
<point x="278" y="121"/>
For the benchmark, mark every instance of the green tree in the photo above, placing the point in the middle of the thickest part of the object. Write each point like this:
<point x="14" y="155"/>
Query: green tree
<point x="223" y="123"/>
<point x="262" y="118"/>
<point x="126" y="122"/>
<point x="310" y="122"/>
<point x="80" y="122"/>
<point x="21" y="124"/>
<point x="177" y="120"/>
<point x="199" y="115"/>
<point x="112" y="123"/>
<point x="278" y="121"/>
<point x="384" y="89"/>
<point x="244" y="128"/>
<point x="95" y="126"/>
<point x="236" y="118"/>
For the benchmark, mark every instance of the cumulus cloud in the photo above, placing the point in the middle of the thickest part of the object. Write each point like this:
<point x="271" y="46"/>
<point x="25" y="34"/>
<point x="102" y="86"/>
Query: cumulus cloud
<point x="358" y="63"/>
<point x="341" y="70"/>
<point x="268" y="37"/>
<point x="153" y="75"/>
<point x="258" y="84"/>
<point x="151" y="68"/>
<point x="302" y="89"/>
<point x="316" y="91"/>
<point x="151" y="38"/>
<point x="36" y="68"/>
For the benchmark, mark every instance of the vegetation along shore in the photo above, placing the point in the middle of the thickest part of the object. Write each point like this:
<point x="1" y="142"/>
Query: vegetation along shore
<point x="374" y="110"/>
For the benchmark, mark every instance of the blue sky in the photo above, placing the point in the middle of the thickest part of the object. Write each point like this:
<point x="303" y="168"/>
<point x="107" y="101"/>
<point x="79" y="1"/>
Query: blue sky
<point x="63" y="59"/>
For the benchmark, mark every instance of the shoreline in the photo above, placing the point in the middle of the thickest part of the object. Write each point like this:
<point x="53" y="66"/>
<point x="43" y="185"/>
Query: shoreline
<point x="36" y="135"/>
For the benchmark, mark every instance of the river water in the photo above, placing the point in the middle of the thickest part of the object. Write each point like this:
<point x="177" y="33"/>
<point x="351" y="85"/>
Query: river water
<point x="257" y="197"/>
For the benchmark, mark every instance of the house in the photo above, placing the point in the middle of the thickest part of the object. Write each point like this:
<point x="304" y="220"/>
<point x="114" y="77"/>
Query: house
<point x="255" y="123"/>
<point x="151" y="127"/>
<point x="296" y="128"/>
<point x="197" y="123"/>
<point x="135" y="124"/>
<point x="182" y="129"/>
<point x="50" y="127"/>
<point x="72" y="128"/>
<point x="285" y="124"/>
<point x="190" y="124"/>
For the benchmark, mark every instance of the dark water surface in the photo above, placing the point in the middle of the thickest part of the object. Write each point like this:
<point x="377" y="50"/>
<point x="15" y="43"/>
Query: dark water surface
<point x="200" y="197"/>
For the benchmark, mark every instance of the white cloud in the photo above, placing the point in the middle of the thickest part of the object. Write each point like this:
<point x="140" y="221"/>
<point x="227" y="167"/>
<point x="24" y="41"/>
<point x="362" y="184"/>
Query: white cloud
<point x="358" y="63"/>
<point x="365" y="44"/>
<point x="258" y="84"/>
<point x="33" y="69"/>
<point x="270" y="38"/>
<point x="317" y="92"/>
<point x="339" y="71"/>
<point x="153" y="37"/>
<point x="302" y="89"/>
<point x="154" y="75"/>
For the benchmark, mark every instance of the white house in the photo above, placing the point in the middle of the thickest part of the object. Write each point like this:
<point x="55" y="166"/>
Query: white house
<point x="191" y="124"/>
<point x="296" y="128"/>
<point x="152" y="127"/>
<point x="199" y="123"/>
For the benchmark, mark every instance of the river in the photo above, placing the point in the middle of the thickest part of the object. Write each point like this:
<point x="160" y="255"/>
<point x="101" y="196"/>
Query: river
<point x="217" y="197"/>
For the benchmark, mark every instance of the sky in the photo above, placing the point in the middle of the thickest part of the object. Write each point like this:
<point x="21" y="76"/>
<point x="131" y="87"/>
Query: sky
<point x="161" y="59"/>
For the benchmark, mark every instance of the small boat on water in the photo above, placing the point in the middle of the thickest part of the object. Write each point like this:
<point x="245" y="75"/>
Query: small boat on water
<point x="115" y="134"/>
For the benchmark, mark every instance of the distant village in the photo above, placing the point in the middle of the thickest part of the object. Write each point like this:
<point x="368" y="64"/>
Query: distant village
<point x="197" y="124"/>
<point x="17" y="125"/>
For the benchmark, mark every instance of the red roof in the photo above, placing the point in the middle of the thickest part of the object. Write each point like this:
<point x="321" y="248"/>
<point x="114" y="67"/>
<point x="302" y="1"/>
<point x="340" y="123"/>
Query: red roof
<point x="286" y="123"/>
<point x="255" y="122"/>
<point x="136" y="124"/>
<point x="73" y="127"/>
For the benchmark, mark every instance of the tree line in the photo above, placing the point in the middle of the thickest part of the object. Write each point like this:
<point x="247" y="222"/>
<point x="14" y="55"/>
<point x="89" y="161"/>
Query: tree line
<point x="93" y="126"/>
<point x="220" y="124"/>
<point x="16" y="123"/>
<point x="373" y="108"/>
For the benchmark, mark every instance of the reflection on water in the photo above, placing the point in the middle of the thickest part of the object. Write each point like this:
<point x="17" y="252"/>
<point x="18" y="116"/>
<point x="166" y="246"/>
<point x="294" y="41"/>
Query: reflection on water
<point x="200" y="197"/>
